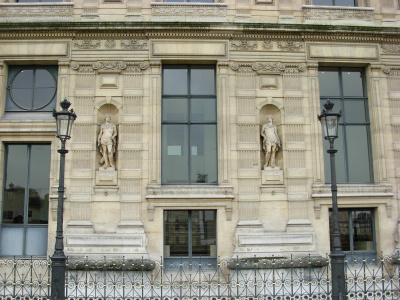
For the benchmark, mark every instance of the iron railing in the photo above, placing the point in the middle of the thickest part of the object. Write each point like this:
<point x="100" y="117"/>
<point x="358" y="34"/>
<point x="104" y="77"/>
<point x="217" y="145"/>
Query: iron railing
<point x="245" y="279"/>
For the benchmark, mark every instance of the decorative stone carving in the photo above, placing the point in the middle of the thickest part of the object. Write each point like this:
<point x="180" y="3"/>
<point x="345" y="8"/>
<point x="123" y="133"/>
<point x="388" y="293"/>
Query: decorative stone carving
<point x="267" y="45"/>
<point x="244" y="45"/>
<point x="107" y="143"/>
<point x="135" y="44"/>
<point x="334" y="13"/>
<point x="271" y="142"/>
<point x="268" y="67"/>
<point x="87" y="44"/>
<point x="110" y="44"/>
<point x="391" y="48"/>
<point x="36" y="11"/>
<point x="291" y="46"/>
<point x="188" y="11"/>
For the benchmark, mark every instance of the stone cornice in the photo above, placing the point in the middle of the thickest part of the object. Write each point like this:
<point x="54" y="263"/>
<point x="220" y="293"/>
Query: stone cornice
<point x="193" y="30"/>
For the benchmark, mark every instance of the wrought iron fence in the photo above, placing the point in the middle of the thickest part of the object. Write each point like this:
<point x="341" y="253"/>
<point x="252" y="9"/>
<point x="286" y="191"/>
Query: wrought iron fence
<point x="245" y="279"/>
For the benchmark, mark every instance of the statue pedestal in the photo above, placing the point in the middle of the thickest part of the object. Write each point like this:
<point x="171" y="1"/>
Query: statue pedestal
<point x="106" y="177"/>
<point x="272" y="176"/>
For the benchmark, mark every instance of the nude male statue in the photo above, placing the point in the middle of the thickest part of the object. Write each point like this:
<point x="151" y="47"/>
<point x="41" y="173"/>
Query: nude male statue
<point x="271" y="142"/>
<point x="107" y="142"/>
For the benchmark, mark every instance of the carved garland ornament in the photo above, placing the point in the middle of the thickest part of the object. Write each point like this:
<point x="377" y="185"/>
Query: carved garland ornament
<point x="244" y="45"/>
<point x="87" y="44"/>
<point x="134" y="44"/>
<point x="290" y="46"/>
<point x="269" y="67"/>
<point x="85" y="67"/>
<point x="391" y="48"/>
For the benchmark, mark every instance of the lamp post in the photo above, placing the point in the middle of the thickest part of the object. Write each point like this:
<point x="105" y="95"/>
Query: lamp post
<point x="64" y="121"/>
<point x="330" y="122"/>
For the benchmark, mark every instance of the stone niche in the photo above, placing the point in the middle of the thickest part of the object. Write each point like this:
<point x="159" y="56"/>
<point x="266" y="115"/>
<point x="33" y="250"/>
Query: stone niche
<point x="107" y="176"/>
<point x="271" y="174"/>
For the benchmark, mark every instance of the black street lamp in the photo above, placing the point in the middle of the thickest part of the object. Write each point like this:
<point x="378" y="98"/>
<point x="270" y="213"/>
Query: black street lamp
<point x="330" y="122"/>
<point x="64" y="121"/>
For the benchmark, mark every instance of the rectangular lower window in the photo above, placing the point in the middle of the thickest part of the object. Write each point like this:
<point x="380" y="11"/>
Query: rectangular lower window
<point x="25" y="200"/>
<point x="357" y="230"/>
<point x="335" y="2"/>
<point x="190" y="233"/>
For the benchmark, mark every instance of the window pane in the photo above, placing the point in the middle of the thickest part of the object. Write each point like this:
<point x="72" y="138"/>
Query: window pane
<point x="176" y="233"/>
<point x="362" y="231"/>
<point x="43" y="78"/>
<point x="36" y="241"/>
<point x="24" y="79"/>
<point x="22" y="98"/>
<point x="174" y="154"/>
<point x="175" y="81"/>
<point x="329" y="82"/>
<point x="343" y="229"/>
<point x="202" y="81"/>
<point x="203" y="153"/>
<point x="203" y="110"/>
<point x="352" y="83"/>
<point x="344" y="2"/>
<point x="339" y="159"/>
<point x="358" y="154"/>
<point x="39" y="184"/>
<point x="42" y="97"/>
<point x="12" y="240"/>
<point x="355" y="111"/>
<point x="204" y="233"/>
<point x="15" y="183"/>
<point x="322" y="2"/>
<point x="175" y="109"/>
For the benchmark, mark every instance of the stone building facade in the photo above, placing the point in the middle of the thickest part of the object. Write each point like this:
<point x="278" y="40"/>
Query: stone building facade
<point x="188" y="86"/>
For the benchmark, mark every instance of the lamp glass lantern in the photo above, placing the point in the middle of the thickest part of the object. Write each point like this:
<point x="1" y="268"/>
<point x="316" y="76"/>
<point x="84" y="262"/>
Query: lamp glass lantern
<point x="64" y="120"/>
<point x="329" y="121"/>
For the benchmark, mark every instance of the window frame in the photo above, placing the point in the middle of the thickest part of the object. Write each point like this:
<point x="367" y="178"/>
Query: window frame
<point x="189" y="124"/>
<point x="25" y="225"/>
<point x="344" y="125"/>
<point x="334" y="4"/>
<point x="190" y="255"/>
<point x="351" y="230"/>
<point x="13" y="72"/>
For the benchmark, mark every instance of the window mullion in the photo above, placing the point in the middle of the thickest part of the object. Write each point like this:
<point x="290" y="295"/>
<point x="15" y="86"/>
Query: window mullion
<point x="190" y="233"/>
<point x="26" y="199"/>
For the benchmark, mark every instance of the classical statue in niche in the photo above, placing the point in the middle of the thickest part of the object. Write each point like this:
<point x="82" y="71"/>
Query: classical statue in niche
<point x="107" y="143"/>
<point x="271" y="142"/>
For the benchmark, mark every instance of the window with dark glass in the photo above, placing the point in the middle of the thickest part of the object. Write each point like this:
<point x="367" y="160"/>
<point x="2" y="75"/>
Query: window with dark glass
<point x="346" y="88"/>
<point x="31" y="88"/>
<point x="25" y="200"/>
<point x="357" y="230"/>
<point x="34" y="1"/>
<point x="335" y="2"/>
<point x="190" y="233"/>
<point x="190" y="1"/>
<point x="189" y="125"/>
